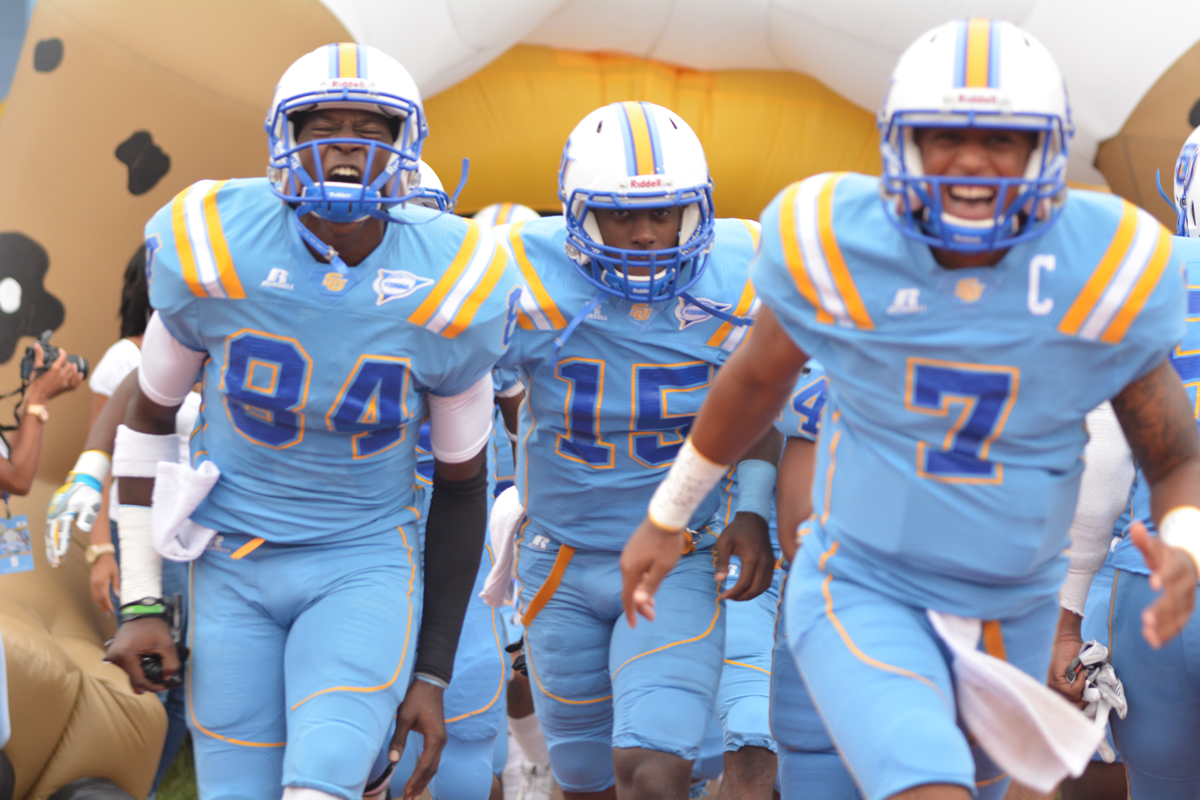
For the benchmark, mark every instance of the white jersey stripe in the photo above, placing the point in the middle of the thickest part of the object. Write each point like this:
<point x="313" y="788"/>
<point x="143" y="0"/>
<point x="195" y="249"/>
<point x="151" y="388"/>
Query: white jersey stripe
<point x="206" y="264"/>
<point x="485" y="249"/>
<point x="1122" y="283"/>
<point x="814" y="254"/>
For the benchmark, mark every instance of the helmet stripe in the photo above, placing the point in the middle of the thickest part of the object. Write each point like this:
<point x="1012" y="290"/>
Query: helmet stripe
<point x="362" y="61"/>
<point x="347" y="61"/>
<point x="643" y="150"/>
<point x="655" y="147"/>
<point x="978" y="55"/>
<point x="333" y="60"/>
<point x="631" y="166"/>
<point x="503" y="213"/>
<point x="994" y="56"/>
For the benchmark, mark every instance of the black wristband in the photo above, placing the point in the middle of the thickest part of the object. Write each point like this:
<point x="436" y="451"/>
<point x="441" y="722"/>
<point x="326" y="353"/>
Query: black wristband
<point x="454" y="538"/>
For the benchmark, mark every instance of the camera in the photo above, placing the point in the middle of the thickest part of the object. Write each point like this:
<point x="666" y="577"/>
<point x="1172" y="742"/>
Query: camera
<point x="49" y="353"/>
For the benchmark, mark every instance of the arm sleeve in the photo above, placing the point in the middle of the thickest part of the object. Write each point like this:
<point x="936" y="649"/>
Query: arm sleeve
<point x="1103" y="493"/>
<point x="453" y="546"/>
<point x="460" y="426"/>
<point x="169" y="368"/>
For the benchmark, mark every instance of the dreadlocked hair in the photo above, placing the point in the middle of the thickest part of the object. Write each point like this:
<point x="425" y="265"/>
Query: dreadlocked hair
<point x="135" y="297"/>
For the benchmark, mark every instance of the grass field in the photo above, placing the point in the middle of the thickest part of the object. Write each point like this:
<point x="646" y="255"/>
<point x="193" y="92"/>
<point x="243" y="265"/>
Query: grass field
<point x="180" y="781"/>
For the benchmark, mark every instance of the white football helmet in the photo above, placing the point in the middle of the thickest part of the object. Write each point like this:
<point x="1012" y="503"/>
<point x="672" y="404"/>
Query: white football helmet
<point x="983" y="74"/>
<point x="504" y="213"/>
<point x="430" y="192"/>
<point x="346" y="76"/>
<point x="1187" y="186"/>
<point x="636" y="155"/>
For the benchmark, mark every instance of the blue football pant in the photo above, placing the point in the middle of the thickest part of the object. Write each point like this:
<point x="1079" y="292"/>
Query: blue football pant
<point x="1159" y="739"/>
<point x="300" y="656"/>
<point x="809" y="766"/>
<point x="743" y="699"/>
<point x="881" y="680"/>
<point x="599" y="684"/>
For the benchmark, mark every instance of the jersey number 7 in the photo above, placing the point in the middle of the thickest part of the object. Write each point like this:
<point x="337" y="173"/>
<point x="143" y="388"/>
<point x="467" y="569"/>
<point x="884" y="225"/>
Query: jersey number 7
<point x="982" y="395"/>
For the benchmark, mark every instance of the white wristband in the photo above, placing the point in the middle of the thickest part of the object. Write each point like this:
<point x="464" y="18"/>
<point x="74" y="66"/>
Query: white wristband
<point x="95" y="463"/>
<point x="1181" y="528"/>
<point x="136" y="455"/>
<point x="689" y="481"/>
<point x="141" y="565"/>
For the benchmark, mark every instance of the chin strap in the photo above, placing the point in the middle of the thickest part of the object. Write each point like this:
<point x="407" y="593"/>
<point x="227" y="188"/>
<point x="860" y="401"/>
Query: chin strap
<point x="732" y="319"/>
<point x="324" y="251"/>
<point x="579" y="318"/>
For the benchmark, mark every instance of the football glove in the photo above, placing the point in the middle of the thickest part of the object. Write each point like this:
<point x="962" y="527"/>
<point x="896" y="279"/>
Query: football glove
<point x="77" y="501"/>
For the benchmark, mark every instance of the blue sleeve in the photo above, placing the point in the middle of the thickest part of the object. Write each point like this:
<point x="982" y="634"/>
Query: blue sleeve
<point x="170" y="295"/>
<point x="504" y="379"/>
<point x="1160" y="324"/>
<point x="459" y="362"/>
<point x="772" y="275"/>
<point x="801" y="415"/>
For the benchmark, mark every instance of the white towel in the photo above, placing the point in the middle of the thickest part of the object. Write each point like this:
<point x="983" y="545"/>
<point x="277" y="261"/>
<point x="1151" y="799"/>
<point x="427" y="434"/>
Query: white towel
<point x="1028" y="729"/>
<point x="178" y="490"/>
<point x="507" y="513"/>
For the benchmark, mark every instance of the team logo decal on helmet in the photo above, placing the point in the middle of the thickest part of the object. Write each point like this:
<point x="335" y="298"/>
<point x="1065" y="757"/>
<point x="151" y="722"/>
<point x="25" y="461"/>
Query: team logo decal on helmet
<point x="1186" y="187"/>
<point x="975" y="73"/>
<point x="350" y="76"/>
<point x="629" y="156"/>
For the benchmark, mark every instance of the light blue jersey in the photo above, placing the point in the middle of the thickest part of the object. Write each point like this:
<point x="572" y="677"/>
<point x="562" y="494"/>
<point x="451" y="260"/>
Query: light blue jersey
<point x="605" y="416"/>
<point x="313" y="371"/>
<point x="1186" y="360"/>
<point x="950" y="458"/>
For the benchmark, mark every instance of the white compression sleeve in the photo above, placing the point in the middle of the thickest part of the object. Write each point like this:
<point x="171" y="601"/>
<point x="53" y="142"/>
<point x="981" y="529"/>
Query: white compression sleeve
<point x="168" y="368"/>
<point x="1103" y="492"/>
<point x="461" y="425"/>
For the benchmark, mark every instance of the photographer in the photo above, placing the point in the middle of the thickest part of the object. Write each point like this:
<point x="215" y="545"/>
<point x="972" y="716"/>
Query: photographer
<point x="23" y="447"/>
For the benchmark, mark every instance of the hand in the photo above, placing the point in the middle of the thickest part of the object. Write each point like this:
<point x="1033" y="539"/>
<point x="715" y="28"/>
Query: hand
<point x="1174" y="573"/>
<point x="421" y="711"/>
<point x="749" y="538"/>
<point x="58" y="378"/>
<point x="143" y="637"/>
<point x="1066" y="647"/>
<point x="106" y="581"/>
<point x="648" y="556"/>
<point x="74" y="502"/>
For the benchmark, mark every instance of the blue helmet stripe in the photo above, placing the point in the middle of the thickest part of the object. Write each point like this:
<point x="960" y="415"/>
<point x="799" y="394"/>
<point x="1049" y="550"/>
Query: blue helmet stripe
<point x="960" y="53"/>
<point x="654" y="145"/>
<point x="362" y="61"/>
<point x="994" y="56"/>
<point x="627" y="136"/>
<point x="333" y="60"/>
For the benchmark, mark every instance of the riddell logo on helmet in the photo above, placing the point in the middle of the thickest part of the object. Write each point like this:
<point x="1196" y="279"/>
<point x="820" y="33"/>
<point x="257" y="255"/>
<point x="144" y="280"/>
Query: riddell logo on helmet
<point x="654" y="182"/>
<point x="347" y="83"/>
<point x="975" y="97"/>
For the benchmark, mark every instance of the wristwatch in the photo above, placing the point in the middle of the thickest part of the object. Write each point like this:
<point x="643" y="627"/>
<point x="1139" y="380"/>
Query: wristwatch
<point x="38" y="410"/>
<point x="94" y="551"/>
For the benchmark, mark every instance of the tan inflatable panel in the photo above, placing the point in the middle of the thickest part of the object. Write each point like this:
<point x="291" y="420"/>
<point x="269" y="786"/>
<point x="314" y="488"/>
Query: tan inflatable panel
<point x="114" y="108"/>
<point x="1152" y="137"/>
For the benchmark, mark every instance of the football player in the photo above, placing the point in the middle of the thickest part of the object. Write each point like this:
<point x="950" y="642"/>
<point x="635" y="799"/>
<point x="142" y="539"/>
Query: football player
<point x="631" y="301"/>
<point x="808" y="763"/>
<point x="1159" y="739"/>
<point x="324" y="326"/>
<point x="968" y="314"/>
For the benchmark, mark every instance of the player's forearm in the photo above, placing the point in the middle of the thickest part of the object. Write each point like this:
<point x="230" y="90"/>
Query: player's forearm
<point x="793" y="489"/>
<point x="454" y="538"/>
<point x="144" y="416"/>
<point x="1179" y="486"/>
<point x="739" y="409"/>
<point x="104" y="428"/>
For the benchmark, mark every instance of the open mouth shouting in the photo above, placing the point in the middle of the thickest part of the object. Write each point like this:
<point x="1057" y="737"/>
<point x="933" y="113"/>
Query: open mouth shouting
<point x="344" y="173"/>
<point x="969" y="201"/>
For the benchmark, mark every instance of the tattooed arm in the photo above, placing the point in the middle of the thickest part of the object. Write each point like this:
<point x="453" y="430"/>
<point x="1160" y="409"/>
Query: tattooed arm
<point x="1160" y="426"/>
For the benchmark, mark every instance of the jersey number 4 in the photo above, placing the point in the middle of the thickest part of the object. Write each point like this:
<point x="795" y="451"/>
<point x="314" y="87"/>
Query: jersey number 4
<point x="265" y="382"/>
<point x="977" y="400"/>
<point x="657" y="433"/>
